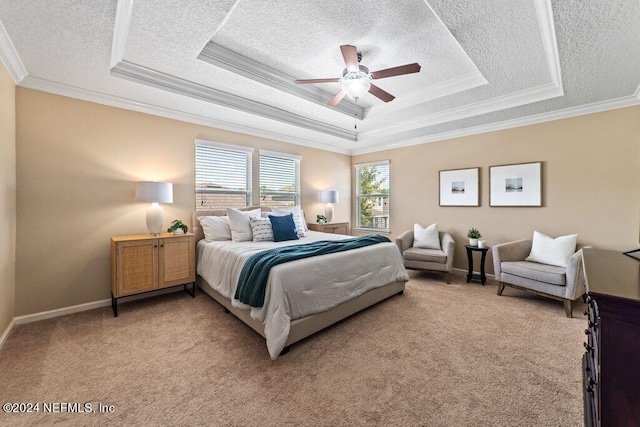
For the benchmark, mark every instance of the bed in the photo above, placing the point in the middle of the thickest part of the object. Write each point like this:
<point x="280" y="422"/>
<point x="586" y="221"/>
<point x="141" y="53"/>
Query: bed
<point x="303" y="296"/>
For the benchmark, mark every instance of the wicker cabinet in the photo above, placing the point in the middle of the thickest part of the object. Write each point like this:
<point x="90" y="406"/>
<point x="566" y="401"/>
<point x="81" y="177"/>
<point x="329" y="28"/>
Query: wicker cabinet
<point x="143" y="263"/>
<point x="333" y="227"/>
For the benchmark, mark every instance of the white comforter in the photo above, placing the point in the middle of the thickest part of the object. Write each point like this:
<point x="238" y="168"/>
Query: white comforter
<point x="299" y="288"/>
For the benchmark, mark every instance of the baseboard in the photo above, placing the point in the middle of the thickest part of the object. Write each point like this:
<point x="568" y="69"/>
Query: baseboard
<point x="6" y="332"/>
<point x="462" y="272"/>
<point x="29" y="318"/>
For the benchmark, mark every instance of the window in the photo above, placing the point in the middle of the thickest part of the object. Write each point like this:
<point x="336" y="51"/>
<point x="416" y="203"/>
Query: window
<point x="279" y="179"/>
<point x="372" y="196"/>
<point x="223" y="175"/>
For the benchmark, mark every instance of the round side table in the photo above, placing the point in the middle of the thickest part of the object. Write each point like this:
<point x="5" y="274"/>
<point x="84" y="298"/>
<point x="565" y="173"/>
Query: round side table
<point x="470" y="276"/>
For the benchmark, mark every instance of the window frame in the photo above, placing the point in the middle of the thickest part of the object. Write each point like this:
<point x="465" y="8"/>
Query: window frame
<point x="357" y="197"/>
<point x="296" y="158"/>
<point x="248" y="151"/>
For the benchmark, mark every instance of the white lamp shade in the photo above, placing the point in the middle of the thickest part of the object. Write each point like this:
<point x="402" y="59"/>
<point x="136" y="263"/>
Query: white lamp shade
<point x="356" y="88"/>
<point x="154" y="192"/>
<point x="329" y="196"/>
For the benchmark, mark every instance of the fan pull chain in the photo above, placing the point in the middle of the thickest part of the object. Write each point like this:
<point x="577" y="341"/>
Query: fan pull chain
<point x="355" y="115"/>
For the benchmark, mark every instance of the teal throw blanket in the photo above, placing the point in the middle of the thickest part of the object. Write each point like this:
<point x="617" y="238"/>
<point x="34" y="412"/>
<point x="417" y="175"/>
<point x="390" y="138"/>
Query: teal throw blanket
<point x="252" y="283"/>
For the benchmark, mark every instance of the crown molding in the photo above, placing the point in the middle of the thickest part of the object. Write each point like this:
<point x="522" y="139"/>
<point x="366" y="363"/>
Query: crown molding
<point x="10" y="58"/>
<point x="544" y="11"/>
<point x="147" y="76"/>
<point x="516" y="99"/>
<point x="43" y="85"/>
<point x="124" y="11"/>
<point x="596" y="107"/>
<point x="222" y="57"/>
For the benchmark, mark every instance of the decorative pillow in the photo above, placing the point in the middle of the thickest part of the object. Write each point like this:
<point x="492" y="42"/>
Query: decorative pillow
<point x="215" y="228"/>
<point x="261" y="229"/>
<point x="547" y="250"/>
<point x="297" y="218"/>
<point x="426" y="238"/>
<point x="284" y="228"/>
<point x="240" y="226"/>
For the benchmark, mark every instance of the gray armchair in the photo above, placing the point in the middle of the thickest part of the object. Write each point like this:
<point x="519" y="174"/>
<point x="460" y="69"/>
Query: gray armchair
<point x="562" y="284"/>
<point x="427" y="259"/>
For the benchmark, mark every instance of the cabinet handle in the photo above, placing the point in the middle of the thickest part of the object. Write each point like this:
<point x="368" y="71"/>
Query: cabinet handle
<point x="155" y="246"/>
<point x="162" y="245"/>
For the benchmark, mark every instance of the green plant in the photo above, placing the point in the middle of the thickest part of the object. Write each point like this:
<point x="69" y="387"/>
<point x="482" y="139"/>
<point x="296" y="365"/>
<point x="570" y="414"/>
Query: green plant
<point x="177" y="224"/>
<point x="321" y="219"/>
<point x="474" y="234"/>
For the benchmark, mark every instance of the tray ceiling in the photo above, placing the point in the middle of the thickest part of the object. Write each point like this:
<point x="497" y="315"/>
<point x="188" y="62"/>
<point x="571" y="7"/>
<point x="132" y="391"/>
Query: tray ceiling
<point x="486" y="64"/>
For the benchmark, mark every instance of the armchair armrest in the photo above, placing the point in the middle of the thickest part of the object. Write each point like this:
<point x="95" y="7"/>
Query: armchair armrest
<point x="449" y="248"/>
<point x="507" y="252"/>
<point x="405" y="240"/>
<point x="575" y="276"/>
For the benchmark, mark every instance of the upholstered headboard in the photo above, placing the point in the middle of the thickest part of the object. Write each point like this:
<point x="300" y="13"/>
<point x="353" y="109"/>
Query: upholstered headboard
<point x="197" y="230"/>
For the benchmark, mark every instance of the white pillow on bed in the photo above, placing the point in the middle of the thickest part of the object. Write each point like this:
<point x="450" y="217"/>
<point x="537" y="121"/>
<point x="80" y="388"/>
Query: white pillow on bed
<point x="240" y="226"/>
<point x="215" y="228"/>
<point x="261" y="229"/>
<point x="298" y="218"/>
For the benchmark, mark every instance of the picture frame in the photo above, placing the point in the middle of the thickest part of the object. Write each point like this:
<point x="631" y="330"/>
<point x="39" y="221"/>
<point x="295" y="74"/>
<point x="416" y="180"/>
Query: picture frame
<point x="516" y="185"/>
<point x="459" y="187"/>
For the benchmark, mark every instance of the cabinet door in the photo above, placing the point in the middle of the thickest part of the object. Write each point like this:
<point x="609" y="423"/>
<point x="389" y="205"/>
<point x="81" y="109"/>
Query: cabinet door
<point x="137" y="266"/>
<point x="177" y="261"/>
<point x="340" y="229"/>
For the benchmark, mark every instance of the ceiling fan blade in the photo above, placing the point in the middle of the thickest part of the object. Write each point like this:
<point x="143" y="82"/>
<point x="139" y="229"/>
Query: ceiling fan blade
<point x="336" y="99"/>
<point x="309" y="81"/>
<point x="383" y="95"/>
<point x="350" y="55"/>
<point x="396" y="71"/>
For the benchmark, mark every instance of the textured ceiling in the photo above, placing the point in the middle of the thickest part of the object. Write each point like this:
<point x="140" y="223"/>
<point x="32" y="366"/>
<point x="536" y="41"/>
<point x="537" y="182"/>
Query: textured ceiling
<point x="486" y="64"/>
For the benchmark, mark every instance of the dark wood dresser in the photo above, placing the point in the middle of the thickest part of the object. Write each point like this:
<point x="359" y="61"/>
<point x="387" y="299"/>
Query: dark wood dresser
<point x="611" y="363"/>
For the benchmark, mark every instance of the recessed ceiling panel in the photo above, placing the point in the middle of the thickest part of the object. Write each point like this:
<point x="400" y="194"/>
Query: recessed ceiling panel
<point x="302" y="39"/>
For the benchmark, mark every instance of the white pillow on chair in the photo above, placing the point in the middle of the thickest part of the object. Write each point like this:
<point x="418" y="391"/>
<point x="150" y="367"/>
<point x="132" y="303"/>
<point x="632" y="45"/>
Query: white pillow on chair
<point x="547" y="250"/>
<point x="426" y="238"/>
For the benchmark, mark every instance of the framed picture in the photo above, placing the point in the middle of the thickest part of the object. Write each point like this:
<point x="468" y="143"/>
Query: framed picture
<point x="459" y="187"/>
<point x="516" y="185"/>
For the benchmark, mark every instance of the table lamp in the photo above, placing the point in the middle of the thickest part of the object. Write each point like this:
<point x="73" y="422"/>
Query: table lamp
<point x="329" y="197"/>
<point x="154" y="192"/>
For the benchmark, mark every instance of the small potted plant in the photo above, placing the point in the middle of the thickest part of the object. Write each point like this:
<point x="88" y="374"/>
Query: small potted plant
<point x="473" y="236"/>
<point x="178" y="227"/>
<point x="321" y="219"/>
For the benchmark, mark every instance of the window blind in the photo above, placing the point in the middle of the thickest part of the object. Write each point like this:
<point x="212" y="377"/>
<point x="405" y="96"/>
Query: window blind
<point x="223" y="176"/>
<point x="279" y="179"/>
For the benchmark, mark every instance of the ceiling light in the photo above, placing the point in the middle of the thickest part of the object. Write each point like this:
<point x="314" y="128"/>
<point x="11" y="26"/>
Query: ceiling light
<point x="356" y="84"/>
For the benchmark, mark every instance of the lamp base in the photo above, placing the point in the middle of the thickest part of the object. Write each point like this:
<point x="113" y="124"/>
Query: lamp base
<point x="155" y="219"/>
<point x="328" y="212"/>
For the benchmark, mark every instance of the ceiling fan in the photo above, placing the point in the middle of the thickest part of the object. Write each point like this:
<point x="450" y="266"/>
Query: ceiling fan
<point x="356" y="79"/>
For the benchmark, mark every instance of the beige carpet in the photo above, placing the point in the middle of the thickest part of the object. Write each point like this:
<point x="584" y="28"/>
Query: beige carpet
<point x="441" y="355"/>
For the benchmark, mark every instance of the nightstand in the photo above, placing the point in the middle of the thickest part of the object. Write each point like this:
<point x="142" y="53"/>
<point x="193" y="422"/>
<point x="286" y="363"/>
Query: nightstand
<point x="143" y="263"/>
<point x="332" y="227"/>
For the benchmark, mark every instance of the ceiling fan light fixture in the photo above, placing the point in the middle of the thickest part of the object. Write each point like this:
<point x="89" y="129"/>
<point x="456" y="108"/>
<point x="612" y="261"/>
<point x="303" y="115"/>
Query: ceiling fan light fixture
<point x="356" y="84"/>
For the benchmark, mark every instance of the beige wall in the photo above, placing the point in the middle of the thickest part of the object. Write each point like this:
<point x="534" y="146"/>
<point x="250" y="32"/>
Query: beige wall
<point x="7" y="197"/>
<point x="77" y="167"/>
<point x="591" y="182"/>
